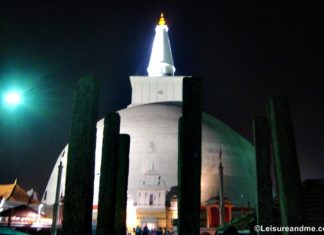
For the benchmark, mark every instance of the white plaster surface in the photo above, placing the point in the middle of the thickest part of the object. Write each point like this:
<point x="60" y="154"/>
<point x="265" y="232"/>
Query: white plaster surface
<point x="153" y="129"/>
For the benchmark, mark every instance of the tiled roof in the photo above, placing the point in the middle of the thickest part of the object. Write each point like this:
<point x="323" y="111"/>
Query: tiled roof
<point x="6" y="190"/>
<point x="13" y="192"/>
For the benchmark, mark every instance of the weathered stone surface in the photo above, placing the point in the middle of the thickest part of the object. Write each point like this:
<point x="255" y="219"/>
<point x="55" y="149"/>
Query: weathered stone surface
<point x="264" y="210"/>
<point x="189" y="165"/>
<point x="80" y="166"/>
<point x="285" y="161"/>
<point x="108" y="175"/>
<point x="121" y="185"/>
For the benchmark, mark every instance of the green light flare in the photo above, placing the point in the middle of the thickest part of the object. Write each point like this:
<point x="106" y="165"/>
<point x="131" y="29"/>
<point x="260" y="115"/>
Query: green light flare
<point x="12" y="98"/>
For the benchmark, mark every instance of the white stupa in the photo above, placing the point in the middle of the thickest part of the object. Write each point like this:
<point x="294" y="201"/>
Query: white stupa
<point x="151" y="120"/>
<point x="161" y="62"/>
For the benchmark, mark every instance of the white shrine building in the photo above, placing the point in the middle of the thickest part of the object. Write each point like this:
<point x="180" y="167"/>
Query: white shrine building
<point x="151" y="120"/>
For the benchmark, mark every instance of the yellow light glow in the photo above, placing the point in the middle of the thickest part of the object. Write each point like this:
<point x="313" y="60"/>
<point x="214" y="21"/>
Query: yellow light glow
<point x="162" y="20"/>
<point x="131" y="217"/>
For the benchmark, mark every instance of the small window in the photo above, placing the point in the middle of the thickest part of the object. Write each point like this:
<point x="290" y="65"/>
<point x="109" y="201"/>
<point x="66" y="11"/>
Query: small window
<point x="151" y="200"/>
<point x="45" y="195"/>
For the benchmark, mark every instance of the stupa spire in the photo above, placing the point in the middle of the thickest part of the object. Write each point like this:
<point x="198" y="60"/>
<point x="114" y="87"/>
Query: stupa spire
<point x="161" y="61"/>
<point x="162" y="20"/>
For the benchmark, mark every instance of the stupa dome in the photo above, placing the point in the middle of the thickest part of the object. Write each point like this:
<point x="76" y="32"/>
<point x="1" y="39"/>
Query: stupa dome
<point x="151" y="120"/>
<point x="154" y="139"/>
<point x="153" y="129"/>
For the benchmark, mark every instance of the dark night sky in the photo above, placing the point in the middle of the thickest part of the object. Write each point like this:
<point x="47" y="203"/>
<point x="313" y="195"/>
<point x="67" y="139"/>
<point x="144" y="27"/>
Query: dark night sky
<point x="245" y="53"/>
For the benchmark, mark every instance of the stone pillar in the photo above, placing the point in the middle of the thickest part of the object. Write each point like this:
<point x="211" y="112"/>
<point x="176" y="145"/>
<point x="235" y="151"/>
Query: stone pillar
<point x="81" y="158"/>
<point x="121" y="185"/>
<point x="189" y="159"/>
<point x="221" y="190"/>
<point x="285" y="161"/>
<point x="108" y="174"/>
<point x="208" y="216"/>
<point x="230" y="212"/>
<point x="264" y="210"/>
